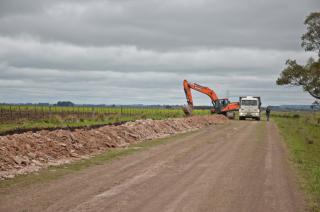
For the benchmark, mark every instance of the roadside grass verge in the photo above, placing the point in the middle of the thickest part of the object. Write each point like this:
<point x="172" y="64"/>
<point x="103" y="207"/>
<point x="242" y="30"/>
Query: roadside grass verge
<point x="301" y="132"/>
<point x="55" y="172"/>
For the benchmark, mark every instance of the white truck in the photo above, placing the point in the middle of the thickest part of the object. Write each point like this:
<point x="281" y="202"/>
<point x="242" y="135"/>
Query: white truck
<point x="250" y="107"/>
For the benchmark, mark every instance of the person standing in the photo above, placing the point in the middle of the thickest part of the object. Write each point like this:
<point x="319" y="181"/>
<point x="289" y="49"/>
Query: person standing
<point x="268" y="110"/>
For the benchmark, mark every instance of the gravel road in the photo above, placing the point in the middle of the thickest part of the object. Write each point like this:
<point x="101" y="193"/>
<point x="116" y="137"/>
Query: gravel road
<point x="239" y="166"/>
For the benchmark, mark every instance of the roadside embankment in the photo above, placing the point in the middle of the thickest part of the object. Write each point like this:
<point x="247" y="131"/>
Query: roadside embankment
<point x="30" y="151"/>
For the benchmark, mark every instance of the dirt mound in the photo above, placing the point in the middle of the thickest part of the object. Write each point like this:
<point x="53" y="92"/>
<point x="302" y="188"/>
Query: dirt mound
<point x="29" y="151"/>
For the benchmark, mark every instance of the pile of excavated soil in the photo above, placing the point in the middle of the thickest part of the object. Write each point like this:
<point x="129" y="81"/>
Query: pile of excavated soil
<point x="30" y="151"/>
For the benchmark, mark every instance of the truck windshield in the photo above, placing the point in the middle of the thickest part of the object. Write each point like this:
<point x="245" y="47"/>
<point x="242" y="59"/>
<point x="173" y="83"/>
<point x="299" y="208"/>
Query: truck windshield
<point x="249" y="102"/>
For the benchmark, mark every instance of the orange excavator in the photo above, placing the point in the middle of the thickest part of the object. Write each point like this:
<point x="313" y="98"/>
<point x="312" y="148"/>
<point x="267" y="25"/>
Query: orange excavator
<point x="220" y="106"/>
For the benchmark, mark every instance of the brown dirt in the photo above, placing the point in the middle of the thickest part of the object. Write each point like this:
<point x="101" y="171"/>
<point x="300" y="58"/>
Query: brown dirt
<point x="30" y="151"/>
<point x="241" y="166"/>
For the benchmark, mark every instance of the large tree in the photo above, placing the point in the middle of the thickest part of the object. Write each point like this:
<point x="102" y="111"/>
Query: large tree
<point x="307" y="76"/>
<point x="311" y="39"/>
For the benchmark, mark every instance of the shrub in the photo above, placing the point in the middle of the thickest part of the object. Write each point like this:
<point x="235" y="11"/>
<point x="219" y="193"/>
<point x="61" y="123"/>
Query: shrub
<point x="296" y="116"/>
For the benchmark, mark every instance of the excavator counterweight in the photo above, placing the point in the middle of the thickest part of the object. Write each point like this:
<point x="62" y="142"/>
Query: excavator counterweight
<point x="220" y="106"/>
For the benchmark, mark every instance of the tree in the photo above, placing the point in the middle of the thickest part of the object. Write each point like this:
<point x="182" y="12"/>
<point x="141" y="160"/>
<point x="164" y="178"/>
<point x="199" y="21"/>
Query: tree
<point x="311" y="39"/>
<point x="65" y="104"/>
<point x="307" y="76"/>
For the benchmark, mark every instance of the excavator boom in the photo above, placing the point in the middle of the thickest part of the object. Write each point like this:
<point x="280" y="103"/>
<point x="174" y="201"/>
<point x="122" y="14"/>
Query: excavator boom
<point x="188" y="86"/>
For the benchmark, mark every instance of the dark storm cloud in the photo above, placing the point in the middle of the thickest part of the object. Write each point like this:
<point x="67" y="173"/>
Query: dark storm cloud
<point x="122" y="51"/>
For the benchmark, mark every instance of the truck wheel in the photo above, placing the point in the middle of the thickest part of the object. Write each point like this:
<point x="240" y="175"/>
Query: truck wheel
<point x="258" y="119"/>
<point x="241" y="118"/>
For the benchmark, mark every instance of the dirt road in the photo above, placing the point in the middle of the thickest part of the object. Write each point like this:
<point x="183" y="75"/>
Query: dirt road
<point x="239" y="167"/>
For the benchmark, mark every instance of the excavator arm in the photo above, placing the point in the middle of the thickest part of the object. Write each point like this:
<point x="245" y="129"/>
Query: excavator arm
<point x="220" y="106"/>
<point x="205" y="90"/>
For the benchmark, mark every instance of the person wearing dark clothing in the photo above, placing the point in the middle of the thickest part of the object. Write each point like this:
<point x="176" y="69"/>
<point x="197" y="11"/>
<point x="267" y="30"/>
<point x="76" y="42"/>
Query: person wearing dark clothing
<point x="268" y="110"/>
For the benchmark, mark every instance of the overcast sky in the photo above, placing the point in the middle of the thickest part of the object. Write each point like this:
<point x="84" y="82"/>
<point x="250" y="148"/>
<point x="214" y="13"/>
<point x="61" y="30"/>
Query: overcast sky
<point x="139" y="51"/>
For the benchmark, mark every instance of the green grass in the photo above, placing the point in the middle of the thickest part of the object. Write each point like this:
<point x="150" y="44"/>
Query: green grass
<point x="301" y="132"/>
<point x="22" y="117"/>
<point x="61" y="123"/>
<point x="56" y="172"/>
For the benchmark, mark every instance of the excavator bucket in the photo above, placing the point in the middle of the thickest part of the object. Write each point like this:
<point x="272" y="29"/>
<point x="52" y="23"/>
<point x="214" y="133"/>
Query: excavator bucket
<point x="187" y="109"/>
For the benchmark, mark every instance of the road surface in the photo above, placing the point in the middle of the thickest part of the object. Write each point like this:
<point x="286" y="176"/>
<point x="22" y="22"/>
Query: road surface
<point x="242" y="166"/>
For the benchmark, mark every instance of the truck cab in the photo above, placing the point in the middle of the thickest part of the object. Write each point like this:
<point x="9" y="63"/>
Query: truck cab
<point x="250" y="107"/>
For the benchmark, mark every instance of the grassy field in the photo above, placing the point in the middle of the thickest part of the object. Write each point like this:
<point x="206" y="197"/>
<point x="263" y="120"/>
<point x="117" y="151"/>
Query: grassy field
<point x="301" y="132"/>
<point x="30" y="117"/>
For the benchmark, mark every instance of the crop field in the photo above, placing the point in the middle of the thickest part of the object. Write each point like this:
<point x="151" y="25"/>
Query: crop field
<point x="301" y="131"/>
<point x="13" y="117"/>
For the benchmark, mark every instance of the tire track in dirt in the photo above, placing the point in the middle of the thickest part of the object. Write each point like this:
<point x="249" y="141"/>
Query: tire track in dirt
<point x="153" y="173"/>
<point x="195" y="178"/>
<point x="277" y="172"/>
<point x="165" y="156"/>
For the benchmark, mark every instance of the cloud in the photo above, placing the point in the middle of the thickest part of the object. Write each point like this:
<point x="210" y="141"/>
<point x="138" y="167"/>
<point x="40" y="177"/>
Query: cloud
<point x="123" y="88"/>
<point x="122" y="51"/>
<point x="30" y="53"/>
<point x="166" y="24"/>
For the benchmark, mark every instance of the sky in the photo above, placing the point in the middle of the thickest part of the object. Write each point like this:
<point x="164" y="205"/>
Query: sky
<point x="139" y="51"/>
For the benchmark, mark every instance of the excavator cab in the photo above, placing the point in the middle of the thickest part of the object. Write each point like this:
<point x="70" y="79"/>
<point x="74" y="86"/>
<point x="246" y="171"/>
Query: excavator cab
<point x="219" y="105"/>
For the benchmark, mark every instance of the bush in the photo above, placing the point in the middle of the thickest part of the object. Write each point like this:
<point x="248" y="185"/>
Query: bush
<point x="296" y="116"/>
